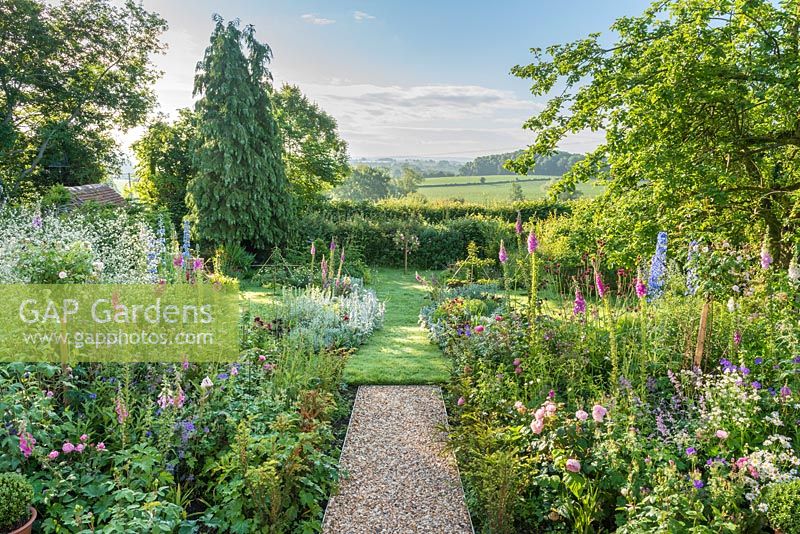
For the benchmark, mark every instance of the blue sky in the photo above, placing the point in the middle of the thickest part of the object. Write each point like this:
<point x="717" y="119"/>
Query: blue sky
<point x="403" y="78"/>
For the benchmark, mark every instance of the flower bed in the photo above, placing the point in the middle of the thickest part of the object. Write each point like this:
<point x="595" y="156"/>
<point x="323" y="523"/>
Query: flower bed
<point x="238" y="447"/>
<point x="598" y="411"/>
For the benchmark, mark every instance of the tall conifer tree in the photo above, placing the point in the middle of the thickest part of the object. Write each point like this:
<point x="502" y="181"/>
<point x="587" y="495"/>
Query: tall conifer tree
<point x="241" y="194"/>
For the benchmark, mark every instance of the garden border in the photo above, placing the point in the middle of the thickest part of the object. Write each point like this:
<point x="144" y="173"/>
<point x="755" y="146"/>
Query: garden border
<point x="339" y="461"/>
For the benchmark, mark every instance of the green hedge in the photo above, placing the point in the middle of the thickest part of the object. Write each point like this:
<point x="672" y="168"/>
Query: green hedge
<point x="444" y="229"/>
<point x="435" y="212"/>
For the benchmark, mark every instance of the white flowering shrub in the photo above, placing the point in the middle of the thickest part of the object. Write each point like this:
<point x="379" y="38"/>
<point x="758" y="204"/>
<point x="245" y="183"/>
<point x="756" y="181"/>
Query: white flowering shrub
<point x="44" y="247"/>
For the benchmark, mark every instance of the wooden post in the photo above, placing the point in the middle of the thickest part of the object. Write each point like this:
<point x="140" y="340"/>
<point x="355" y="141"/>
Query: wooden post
<point x="701" y="333"/>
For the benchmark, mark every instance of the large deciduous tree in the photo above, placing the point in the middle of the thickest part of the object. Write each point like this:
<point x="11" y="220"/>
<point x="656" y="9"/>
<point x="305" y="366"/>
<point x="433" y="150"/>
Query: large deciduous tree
<point x="240" y="195"/>
<point x="165" y="163"/>
<point x="70" y="74"/>
<point x="314" y="154"/>
<point x="366" y="183"/>
<point x="699" y="102"/>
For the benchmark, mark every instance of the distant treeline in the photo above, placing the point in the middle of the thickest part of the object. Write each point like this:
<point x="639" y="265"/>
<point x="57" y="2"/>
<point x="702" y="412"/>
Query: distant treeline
<point x="555" y="165"/>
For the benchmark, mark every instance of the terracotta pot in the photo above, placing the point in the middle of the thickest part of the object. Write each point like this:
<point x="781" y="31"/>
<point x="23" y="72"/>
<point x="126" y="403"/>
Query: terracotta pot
<point x="28" y="526"/>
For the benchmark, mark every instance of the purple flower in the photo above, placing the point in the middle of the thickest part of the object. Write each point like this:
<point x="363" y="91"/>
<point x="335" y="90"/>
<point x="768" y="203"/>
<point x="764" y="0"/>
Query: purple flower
<point x="766" y="257"/>
<point x="332" y="245"/>
<point x="641" y="289"/>
<point x="691" y="451"/>
<point x="598" y="282"/>
<point x="744" y="370"/>
<point x="786" y="391"/>
<point x="698" y="484"/>
<point x="177" y="261"/>
<point x="197" y="264"/>
<point x="758" y="361"/>
<point x="533" y="243"/>
<point x="37" y="221"/>
<point x="737" y="337"/>
<point x="518" y="225"/>
<point x="756" y="384"/>
<point x="503" y="255"/>
<point x="580" y="303"/>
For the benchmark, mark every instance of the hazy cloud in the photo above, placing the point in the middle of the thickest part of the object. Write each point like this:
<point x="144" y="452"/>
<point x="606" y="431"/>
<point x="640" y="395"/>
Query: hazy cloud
<point x="312" y="18"/>
<point x="360" y="16"/>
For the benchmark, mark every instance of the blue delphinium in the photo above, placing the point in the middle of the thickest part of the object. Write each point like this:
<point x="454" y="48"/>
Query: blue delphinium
<point x="186" y="240"/>
<point x="658" y="268"/>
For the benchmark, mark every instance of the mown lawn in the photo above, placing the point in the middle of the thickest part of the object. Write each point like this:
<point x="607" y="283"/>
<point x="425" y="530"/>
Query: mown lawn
<point x="399" y="353"/>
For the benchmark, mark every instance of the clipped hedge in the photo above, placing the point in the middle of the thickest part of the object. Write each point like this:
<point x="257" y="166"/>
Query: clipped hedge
<point x="444" y="229"/>
<point x="436" y="212"/>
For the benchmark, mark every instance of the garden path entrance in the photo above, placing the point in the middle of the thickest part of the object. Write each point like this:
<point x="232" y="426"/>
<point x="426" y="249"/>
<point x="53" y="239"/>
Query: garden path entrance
<point x="397" y="477"/>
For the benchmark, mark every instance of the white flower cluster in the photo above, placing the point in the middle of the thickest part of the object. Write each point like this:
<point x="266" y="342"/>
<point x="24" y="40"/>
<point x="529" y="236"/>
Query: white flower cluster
<point x="118" y="244"/>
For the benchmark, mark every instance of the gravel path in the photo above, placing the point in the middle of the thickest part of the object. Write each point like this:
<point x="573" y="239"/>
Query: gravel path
<point x="399" y="480"/>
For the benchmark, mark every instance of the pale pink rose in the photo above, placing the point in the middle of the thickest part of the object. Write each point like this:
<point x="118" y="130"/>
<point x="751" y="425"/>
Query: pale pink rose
<point x="520" y="407"/>
<point x="722" y="434"/>
<point x="573" y="465"/>
<point x="53" y="455"/>
<point x="84" y="437"/>
<point x="79" y="447"/>
<point x="539" y="414"/>
<point x="537" y="425"/>
<point x="581" y="415"/>
<point x="100" y="446"/>
<point x="598" y="413"/>
<point x="67" y="447"/>
<point x="461" y="401"/>
<point x="550" y="407"/>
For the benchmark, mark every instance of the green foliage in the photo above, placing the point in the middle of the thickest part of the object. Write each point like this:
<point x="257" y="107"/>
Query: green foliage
<point x="408" y="182"/>
<point x="365" y="183"/>
<point x="17" y="495"/>
<point x="782" y="499"/>
<point x="555" y="164"/>
<point x="165" y="163"/>
<point x="708" y="139"/>
<point x="314" y="154"/>
<point x="56" y="197"/>
<point x="233" y="259"/>
<point x="241" y="194"/>
<point x="71" y="73"/>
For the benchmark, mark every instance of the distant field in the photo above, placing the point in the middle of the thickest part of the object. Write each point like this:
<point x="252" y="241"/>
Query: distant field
<point x="471" y="189"/>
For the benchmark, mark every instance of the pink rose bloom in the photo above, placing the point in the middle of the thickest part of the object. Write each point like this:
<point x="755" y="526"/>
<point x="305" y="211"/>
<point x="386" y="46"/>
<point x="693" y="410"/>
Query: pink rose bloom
<point x="517" y="362"/>
<point x="461" y="401"/>
<point x="100" y="446"/>
<point x="519" y="407"/>
<point x="84" y="437"/>
<point x="479" y="328"/>
<point x="53" y="455"/>
<point x="537" y="425"/>
<point x="67" y="447"/>
<point x="498" y="318"/>
<point x="49" y="394"/>
<point x="261" y="357"/>
<point x="573" y="465"/>
<point x="539" y="414"/>
<point x="581" y="415"/>
<point x="518" y="370"/>
<point x="79" y="447"/>
<point x="550" y="407"/>
<point x="741" y="462"/>
<point x="722" y="434"/>
<point x="598" y="413"/>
